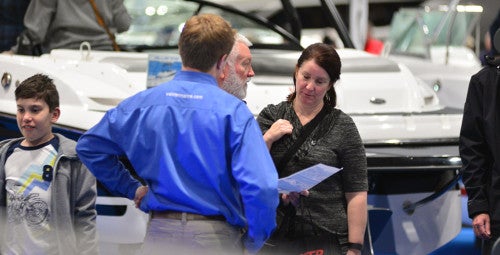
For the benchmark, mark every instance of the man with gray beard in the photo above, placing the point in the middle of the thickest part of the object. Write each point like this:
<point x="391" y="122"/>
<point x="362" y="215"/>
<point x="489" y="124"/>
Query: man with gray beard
<point x="238" y="70"/>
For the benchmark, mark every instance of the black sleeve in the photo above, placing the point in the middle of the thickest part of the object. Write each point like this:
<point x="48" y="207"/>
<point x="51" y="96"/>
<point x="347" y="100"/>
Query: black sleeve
<point x="476" y="158"/>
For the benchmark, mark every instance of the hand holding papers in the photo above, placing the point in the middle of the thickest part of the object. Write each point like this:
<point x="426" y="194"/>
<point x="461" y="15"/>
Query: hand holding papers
<point x="306" y="178"/>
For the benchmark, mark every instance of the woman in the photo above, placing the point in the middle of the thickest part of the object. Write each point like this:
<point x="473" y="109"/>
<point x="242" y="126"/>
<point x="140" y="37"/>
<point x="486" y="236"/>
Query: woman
<point x="335" y="210"/>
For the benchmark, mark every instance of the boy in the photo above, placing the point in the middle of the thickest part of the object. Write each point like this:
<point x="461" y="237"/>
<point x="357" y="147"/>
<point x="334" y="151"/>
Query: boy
<point x="47" y="196"/>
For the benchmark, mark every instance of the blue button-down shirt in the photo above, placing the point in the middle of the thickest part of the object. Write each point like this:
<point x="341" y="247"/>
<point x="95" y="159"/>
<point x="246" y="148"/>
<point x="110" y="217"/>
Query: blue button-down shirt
<point x="198" y="148"/>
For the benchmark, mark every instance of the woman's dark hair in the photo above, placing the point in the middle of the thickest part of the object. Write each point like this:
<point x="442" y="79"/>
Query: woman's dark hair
<point x="327" y="58"/>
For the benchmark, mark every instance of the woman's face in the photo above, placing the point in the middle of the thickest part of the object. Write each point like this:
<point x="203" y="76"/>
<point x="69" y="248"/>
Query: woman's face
<point x="312" y="83"/>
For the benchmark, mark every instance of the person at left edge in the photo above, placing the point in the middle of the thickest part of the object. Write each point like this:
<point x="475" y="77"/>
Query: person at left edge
<point x="65" y="24"/>
<point x="47" y="196"/>
<point x="11" y="20"/>
<point x="199" y="150"/>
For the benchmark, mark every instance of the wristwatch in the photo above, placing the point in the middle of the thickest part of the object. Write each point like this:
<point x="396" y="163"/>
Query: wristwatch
<point x="355" y="246"/>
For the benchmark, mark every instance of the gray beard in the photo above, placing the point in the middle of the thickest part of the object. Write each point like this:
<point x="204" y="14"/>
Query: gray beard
<point x="234" y="85"/>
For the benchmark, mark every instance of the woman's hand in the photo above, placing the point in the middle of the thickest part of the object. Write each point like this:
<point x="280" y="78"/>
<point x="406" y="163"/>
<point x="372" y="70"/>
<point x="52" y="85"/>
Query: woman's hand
<point x="294" y="197"/>
<point x="278" y="129"/>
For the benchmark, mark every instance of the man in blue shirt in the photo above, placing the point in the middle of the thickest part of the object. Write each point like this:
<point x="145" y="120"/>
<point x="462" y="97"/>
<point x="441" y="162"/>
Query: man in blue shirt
<point x="199" y="150"/>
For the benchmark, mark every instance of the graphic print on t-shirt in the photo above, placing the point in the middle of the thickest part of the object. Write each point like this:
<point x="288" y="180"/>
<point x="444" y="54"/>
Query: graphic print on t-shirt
<point x="28" y="198"/>
<point x="30" y="209"/>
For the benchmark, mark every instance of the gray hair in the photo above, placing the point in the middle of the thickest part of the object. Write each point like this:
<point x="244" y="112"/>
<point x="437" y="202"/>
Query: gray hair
<point x="241" y="38"/>
<point x="238" y="38"/>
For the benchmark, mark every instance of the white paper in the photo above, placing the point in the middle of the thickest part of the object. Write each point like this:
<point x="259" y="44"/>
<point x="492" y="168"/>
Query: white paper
<point x="306" y="179"/>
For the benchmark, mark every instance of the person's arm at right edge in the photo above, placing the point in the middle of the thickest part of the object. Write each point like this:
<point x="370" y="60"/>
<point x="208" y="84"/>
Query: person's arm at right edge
<point x="254" y="170"/>
<point x="97" y="149"/>
<point x="473" y="150"/>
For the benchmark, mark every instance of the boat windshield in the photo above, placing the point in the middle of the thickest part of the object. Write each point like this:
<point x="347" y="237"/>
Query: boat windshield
<point x="158" y="24"/>
<point x="414" y="31"/>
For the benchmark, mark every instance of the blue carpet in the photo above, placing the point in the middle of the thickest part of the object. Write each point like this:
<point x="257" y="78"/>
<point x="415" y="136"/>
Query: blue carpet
<point x="463" y="244"/>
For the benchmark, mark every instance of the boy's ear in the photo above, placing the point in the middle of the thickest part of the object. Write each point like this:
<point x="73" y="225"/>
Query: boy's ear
<point x="55" y="114"/>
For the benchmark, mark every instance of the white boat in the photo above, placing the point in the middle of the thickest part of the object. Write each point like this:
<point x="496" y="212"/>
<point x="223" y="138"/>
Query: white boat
<point x="435" y="39"/>
<point x="410" y="138"/>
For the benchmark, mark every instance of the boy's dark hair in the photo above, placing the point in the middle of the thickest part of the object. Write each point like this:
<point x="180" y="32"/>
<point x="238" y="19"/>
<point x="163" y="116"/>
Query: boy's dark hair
<point x="39" y="86"/>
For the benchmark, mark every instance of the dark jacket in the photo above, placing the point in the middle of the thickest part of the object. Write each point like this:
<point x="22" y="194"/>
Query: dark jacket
<point x="480" y="144"/>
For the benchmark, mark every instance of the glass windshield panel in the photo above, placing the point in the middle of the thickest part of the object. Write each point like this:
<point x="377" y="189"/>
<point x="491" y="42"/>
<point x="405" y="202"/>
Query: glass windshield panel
<point x="155" y="22"/>
<point x="414" y="31"/>
<point x="158" y="23"/>
<point x="256" y="33"/>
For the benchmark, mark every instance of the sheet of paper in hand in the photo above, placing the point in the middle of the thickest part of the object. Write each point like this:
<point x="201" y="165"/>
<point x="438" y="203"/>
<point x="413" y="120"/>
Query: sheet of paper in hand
<point x="306" y="179"/>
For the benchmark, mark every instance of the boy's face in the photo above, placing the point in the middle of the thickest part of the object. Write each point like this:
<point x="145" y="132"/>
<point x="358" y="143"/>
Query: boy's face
<point x="34" y="119"/>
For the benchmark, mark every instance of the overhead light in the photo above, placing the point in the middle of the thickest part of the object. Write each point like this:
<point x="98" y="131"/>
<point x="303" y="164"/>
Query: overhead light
<point x="469" y="8"/>
<point x="162" y="10"/>
<point x="150" y="11"/>
<point x="462" y="8"/>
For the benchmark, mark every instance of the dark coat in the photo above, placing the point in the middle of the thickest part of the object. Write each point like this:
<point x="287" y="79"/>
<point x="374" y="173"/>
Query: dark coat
<point x="480" y="144"/>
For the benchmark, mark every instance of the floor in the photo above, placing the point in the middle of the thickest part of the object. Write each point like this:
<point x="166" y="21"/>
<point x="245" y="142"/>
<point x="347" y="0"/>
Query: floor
<point x="463" y="244"/>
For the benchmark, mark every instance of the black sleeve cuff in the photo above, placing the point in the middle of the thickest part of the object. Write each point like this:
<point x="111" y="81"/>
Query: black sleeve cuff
<point x="355" y="246"/>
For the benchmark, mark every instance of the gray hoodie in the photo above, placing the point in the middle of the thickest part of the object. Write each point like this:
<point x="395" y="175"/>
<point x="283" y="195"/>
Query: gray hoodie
<point x="73" y="199"/>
